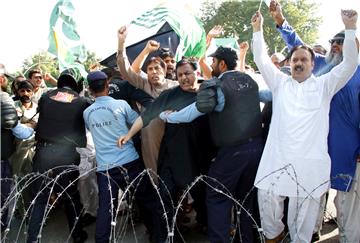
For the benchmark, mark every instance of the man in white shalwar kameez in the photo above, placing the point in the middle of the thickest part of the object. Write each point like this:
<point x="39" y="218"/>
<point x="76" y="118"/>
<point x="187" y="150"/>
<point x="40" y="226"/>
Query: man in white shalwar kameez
<point x="295" y="162"/>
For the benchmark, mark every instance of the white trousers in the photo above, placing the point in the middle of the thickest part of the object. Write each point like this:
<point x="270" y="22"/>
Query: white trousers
<point x="302" y="216"/>
<point x="320" y="219"/>
<point x="348" y="211"/>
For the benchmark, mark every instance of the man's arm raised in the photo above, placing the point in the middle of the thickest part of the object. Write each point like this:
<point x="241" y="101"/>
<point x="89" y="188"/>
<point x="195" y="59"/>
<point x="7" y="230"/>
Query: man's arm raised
<point x="150" y="47"/>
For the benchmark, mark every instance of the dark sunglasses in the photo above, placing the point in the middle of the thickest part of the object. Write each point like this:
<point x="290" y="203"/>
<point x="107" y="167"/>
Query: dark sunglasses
<point x="338" y="41"/>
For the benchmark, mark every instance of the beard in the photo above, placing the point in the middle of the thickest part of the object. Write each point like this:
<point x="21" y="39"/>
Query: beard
<point x="215" y="72"/>
<point x="333" y="59"/>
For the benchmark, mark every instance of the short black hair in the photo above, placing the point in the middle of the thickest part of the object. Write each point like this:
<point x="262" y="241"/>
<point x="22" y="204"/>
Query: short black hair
<point x="156" y="60"/>
<point x="98" y="86"/>
<point x="165" y="52"/>
<point x="185" y="61"/>
<point x="33" y="71"/>
<point x="305" y="47"/>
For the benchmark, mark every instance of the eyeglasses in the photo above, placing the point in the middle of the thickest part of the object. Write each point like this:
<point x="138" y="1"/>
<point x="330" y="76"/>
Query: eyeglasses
<point x="38" y="77"/>
<point x="338" y="41"/>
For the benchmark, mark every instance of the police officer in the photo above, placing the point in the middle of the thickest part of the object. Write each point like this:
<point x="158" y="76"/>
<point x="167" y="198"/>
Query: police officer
<point x="236" y="129"/>
<point x="232" y="102"/>
<point x="60" y="130"/>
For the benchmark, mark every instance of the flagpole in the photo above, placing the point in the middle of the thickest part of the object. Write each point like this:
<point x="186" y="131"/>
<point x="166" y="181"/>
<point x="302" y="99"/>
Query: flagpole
<point x="260" y="5"/>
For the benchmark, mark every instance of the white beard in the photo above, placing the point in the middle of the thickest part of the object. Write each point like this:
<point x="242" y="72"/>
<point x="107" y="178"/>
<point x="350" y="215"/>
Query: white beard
<point x="333" y="59"/>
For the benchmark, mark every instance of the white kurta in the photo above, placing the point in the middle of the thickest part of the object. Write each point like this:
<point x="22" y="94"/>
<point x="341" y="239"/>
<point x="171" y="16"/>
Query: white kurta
<point x="295" y="161"/>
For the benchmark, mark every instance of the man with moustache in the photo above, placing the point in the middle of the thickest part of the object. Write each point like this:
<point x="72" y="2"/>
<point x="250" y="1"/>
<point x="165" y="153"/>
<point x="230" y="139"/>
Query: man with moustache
<point x="25" y="107"/>
<point x="153" y="83"/>
<point x="10" y="129"/>
<point x="179" y="165"/>
<point x="235" y="125"/>
<point x="295" y="162"/>
<point x="27" y="113"/>
<point x="344" y="132"/>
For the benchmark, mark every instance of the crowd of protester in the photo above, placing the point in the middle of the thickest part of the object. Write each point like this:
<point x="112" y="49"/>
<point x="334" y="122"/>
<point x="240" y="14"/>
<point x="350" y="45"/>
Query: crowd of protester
<point x="261" y="171"/>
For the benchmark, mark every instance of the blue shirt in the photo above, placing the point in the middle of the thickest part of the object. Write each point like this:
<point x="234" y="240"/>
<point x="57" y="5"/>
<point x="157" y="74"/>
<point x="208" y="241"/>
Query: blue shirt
<point x="344" y="131"/>
<point x="292" y="39"/>
<point x="190" y="112"/>
<point x="107" y="119"/>
<point x="22" y="132"/>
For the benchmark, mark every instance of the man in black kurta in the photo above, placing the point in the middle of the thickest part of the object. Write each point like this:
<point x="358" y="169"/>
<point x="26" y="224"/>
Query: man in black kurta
<point x="186" y="149"/>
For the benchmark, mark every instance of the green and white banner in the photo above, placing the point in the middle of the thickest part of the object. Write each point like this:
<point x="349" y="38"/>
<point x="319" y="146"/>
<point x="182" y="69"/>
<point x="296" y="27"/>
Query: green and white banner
<point x="181" y="19"/>
<point x="64" y="41"/>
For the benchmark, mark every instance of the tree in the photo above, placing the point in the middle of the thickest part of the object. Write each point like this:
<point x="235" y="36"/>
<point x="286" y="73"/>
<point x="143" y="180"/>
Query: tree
<point x="48" y="63"/>
<point x="43" y="61"/>
<point x="235" y="17"/>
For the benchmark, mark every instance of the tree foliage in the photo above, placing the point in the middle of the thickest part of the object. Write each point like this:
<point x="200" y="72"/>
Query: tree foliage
<point x="43" y="61"/>
<point x="48" y="63"/>
<point x="235" y="17"/>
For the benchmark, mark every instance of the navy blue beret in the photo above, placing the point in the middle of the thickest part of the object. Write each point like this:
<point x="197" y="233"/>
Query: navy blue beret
<point x="97" y="75"/>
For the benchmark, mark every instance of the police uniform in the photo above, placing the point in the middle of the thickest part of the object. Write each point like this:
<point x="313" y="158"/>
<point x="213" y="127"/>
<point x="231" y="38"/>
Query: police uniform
<point x="236" y="130"/>
<point x="59" y="131"/>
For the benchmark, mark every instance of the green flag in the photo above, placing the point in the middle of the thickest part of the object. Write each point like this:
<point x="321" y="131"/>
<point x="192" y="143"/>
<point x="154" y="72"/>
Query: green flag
<point x="64" y="41"/>
<point x="188" y="27"/>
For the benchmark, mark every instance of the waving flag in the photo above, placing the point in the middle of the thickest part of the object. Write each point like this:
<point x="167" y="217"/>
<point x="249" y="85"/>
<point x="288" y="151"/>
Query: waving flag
<point x="189" y="28"/>
<point x="64" y="41"/>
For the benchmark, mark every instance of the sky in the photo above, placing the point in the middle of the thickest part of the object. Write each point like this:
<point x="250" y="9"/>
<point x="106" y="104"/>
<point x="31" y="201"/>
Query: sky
<point x="25" y="24"/>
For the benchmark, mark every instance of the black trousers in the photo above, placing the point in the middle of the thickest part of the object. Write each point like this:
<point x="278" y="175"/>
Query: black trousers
<point x="6" y="181"/>
<point x="109" y="183"/>
<point x="235" y="168"/>
<point x="57" y="176"/>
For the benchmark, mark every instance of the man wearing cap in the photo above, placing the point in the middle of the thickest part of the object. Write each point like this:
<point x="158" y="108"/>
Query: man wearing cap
<point x="25" y="106"/>
<point x="107" y="119"/>
<point x="344" y="132"/>
<point x="10" y="129"/>
<point x="295" y="162"/>
<point x="235" y="125"/>
<point x="27" y="112"/>
<point x="59" y="131"/>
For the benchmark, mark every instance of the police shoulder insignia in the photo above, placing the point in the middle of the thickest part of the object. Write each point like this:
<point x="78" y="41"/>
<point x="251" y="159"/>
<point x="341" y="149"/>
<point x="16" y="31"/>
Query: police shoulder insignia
<point x="63" y="97"/>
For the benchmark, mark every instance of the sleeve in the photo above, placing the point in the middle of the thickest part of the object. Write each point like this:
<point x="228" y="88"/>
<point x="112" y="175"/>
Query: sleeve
<point x="265" y="96"/>
<point x="220" y="100"/>
<point x="185" y="115"/>
<point x="139" y="95"/>
<point x="128" y="73"/>
<point x="292" y="39"/>
<point x="288" y="34"/>
<point x="337" y="78"/>
<point x="9" y="117"/>
<point x="155" y="108"/>
<point x="272" y="76"/>
<point x="22" y="132"/>
<point x="85" y="116"/>
<point x="131" y="115"/>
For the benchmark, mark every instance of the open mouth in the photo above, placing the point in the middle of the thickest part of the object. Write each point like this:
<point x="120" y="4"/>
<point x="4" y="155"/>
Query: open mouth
<point x="299" y="69"/>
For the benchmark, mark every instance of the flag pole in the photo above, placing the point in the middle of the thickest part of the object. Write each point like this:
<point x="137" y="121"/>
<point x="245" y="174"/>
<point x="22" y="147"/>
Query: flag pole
<point x="261" y="1"/>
